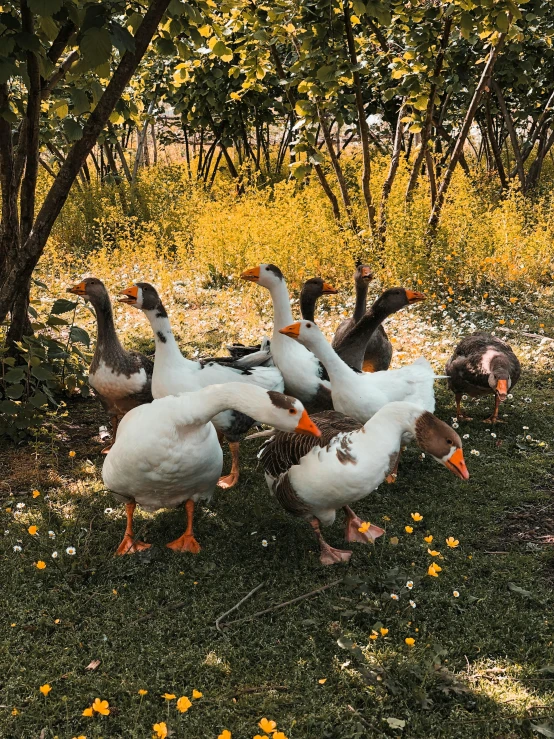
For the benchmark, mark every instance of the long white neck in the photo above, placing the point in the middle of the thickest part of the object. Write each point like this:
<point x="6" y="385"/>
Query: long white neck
<point x="166" y="345"/>
<point x="202" y="405"/>
<point x="338" y="370"/>
<point x="398" y="417"/>
<point x="281" y="306"/>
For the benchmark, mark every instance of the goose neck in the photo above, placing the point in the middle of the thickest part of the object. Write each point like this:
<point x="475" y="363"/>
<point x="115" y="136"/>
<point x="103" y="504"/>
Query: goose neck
<point x="361" y="300"/>
<point x="281" y="306"/>
<point x="107" y="335"/>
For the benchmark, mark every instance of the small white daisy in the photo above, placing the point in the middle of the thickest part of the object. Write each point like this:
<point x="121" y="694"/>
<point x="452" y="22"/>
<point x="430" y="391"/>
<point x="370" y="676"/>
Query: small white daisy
<point x="456" y="594"/>
<point x="475" y="452"/>
<point x="410" y="584"/>
<point x="394" y="596"/>
<point x="107" y="511"/>
<point x="528" y="437"/>
<point x="264" y="542"/>
<point x="509" y="396"/>
<point x="52" y="534"/>
<point x="413" y="603"/>
<point x="6" y="532"/>
<point x="17" y="548"/>
<point x="465" y="436"/>
<point x="525" y="428"/>
<point x="71" y="550"/>
<point x="20" y="505"/>
<point x="54" y="555"/>
<point x="455" y="425"/>
<point x="422" y="455"/>
<point x="464" y="397"/>
<point x="493" y="435"/>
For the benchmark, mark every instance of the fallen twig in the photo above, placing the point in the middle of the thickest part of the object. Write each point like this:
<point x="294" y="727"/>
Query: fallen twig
<point x="260" y="434"/>
<point x="286" y="603"/>
<point x="237" y="605"/>
<point x="260" y="689"/>
<point x="496" y="552"/>
<point x="359" y="715"/>
<point x="525" y="333"/>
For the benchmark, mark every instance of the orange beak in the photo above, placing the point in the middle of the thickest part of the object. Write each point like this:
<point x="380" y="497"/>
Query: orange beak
<point x="502" y="389"/>
<point x="307" y="426"/>
<point x="457" y="465"/>
<point x="293" y="330"/>
<point x="328" y="289"/>
<point x="414" y="297"/>
<point x="130" y="295"/>
<point x="80" y="289"/>
<point x="252" y="275"/>
<point x="367" y="274"/>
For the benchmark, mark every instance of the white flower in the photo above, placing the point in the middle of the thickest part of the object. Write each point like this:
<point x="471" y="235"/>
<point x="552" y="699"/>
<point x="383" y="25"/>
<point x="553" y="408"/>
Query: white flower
<point x="465" y="436"/>
<point x="54" y="555"/>
<point x="455" y="425"/>
<point x="475" y="452"/>
<point x="464" y="397"/>
<point x="20" y="505"/>
<point x="71" y="550"/>
<point x="528" y="400"/>
<point x="52" y="534"/>
<point x="422" y="455"/>
<point x="413" y="603"/>
<point x="394" y="596"/>
<point x="456" y="594"/>
<point x="509" y="396"/>
<point x="528" y="437"/>
<point x="6" y="532"/>
<point x="493" y="436"/>
<point x="410" y="584"/>
<point x="107" y="511"/>
<point x="264" y="542"/>
<point x="525" y="428"/>
<point x="17" y="548"/>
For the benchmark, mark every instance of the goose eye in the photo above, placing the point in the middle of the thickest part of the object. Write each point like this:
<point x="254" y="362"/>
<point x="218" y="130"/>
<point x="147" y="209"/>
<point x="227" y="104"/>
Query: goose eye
<point x="449" y="441"/>
<point x="292" y="411"/>
<point x="308" y="325"/>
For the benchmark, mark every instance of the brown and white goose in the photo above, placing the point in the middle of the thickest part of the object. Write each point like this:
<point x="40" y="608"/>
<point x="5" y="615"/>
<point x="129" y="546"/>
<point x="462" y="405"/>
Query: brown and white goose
<point x="121" y="379"/>
<point x="305" y="377"/>
<point x="366" y="346"/>
<point x="313" y="478"/>
<point x="482" y="364"/>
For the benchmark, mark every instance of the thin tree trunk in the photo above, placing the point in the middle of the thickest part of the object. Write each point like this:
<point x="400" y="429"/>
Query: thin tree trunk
<point x="462" y="136"/>
<point x="187" y="150"/>
<point x="511" y="132"/>
<point x="536" y="168"/>
<point x="430" y="164"/>
<point x="154" y="143"/>
<point x="338" y="170"/>
<point x="494" y="144"/>
<point x="216" y="167"/>
<point x="328" y="191"/>
<point x="393" y="167"/>
<point x="142" y="143"/>
<point x="121" y="155"/>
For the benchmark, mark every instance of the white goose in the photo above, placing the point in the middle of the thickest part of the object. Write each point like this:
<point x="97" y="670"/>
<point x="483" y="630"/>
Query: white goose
<point x="304" y="375"/>
<point x="361" y="394"/>
<point x="167" y="452"/>
<point x="313" y="478"/>
<point x="174" y="374"/>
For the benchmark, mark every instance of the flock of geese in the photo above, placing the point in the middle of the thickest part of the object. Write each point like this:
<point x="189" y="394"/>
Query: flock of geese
<point x="169" y="416"/>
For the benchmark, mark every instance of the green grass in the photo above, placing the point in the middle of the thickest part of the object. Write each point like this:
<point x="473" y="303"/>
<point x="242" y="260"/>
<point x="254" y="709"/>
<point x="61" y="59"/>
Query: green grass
<point x="150" y="619"/>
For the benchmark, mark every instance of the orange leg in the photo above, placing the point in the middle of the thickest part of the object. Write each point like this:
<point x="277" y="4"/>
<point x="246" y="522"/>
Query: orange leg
<point x="231" y="480"/>
<point x="329" y="555"/>
<point x="351" y="530"/>
<point x="186" y="542"/>
<point x="494" y="417"/>
<point x="459" y="414"/>
<point x="130" y="545"/>
<point x="367" y="366"/>
<point x="393" y="474"/>
<point x="115" y="423"/>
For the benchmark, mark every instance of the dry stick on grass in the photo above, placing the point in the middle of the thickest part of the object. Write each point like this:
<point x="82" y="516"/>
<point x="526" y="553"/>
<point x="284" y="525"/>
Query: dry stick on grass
<point x="286" y="603"/>
<point x="525" y="333"/>
<point x="237" y="605"/>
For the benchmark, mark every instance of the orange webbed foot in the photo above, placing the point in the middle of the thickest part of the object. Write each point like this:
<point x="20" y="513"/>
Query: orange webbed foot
<point x="352" y="532"/>
<point x="185" y="543"/>
<point x="463" y="417"/>
<point x="106" y="449"/>
<point x="131" y="546"/>
<point x="493" y="420"/>
<point x="331" y="556"/>
<point x="229" y="481"/>
<point x="391" y="478"/>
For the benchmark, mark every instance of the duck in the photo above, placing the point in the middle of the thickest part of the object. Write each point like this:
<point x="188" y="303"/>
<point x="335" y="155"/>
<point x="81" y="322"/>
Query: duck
<point x="361" y="394"/>
<point x="362" y="277"/>
<point x="366" y="346"/>
<point x="304" y="376"/>
<point x="167" y="453"/>
<point x="313" y="478"/>
<point x="121" y="379"/>
<point x="174" y="374"/>
<point x="482" y="364"/>
<point x="311" y="291"/>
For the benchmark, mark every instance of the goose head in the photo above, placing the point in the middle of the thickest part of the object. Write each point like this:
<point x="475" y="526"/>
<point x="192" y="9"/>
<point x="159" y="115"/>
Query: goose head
<point x="499" y="377"/>
<point x="144" y="296"/>
<point x="286" y="413"/>
<point x="440" y="441"/>
<point x="266" y="275"/>
<point x="90" y="288"/>
<point x="396" y="298"/>
<point x="363" y="275"/>
<point x="315" y="287"/>
<point x="305" y="332"/>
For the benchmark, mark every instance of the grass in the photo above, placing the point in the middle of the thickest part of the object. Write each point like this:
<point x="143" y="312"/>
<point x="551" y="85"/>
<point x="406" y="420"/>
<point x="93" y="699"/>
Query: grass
<point x="150" y="619"/>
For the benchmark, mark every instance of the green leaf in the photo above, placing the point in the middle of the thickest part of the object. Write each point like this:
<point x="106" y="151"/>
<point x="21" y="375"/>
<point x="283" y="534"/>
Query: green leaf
<point x="39" y="399"/>
<point x="72" y="129"/>
<point x="96" y="46"/>
<point x="6" y="45"/>
<point x="222" y="51"/>
<point x="300" y="170"/>
<point x="543" y="730"/>
<point x="516" y="589"/>
<point x="41" y="373"/>
<point x="15" y="391"/>
<point x="8" y="407"/>
<point x="62" y="306"/>
<point x="15" y="375"/>
<point x="81" y="103"/>
<point x="325" y="73"/>
<point x="79" y="335"/>
<point x="304" y="108"/>
<point x="7" y="70"/>
<point x="503" y="23"/>
<point x="54" y="321"/>
<point x="45" y="7"/>
<point x="395" y="723"/>
<point x="121" y="38"/>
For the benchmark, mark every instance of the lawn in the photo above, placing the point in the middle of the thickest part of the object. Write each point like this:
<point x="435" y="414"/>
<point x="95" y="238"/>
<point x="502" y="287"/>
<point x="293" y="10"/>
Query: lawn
<point x="478" y="664"/>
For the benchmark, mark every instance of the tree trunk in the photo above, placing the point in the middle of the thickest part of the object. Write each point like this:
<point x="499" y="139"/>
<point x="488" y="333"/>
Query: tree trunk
<point x="393" y="167"/>
<point x="337" y="169"/>
<point x="511" y="132"/>
<point x="328" y="191"/>
<point x="494" y="144"/>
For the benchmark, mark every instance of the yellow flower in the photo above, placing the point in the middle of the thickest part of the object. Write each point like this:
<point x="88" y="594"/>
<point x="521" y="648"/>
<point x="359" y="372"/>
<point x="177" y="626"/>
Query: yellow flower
<point x="452" y="542"/>
<point x="383" y="631"/>
<point x="40" y="565"/>
<point x="485" y="295"/>
<point x="260" y="736"/>
<point x="36" y="493"/>
<point x="196" y="694"/>
<point x="72" y="454"/>
<point x="513" y="300"/>
<point x="169" y="696"/>
<point x="428" y="539"/>
<point x="101" y="707"/>
<point x="15" y="712"/>
<point x="183" y="704"/>
<point x="408" y="529"/>
<point x="81" y="736"/>
<point x="267" y="725"/>
<point x="417" y="516"/>
<point x="279" y="735"/>
<point x="88" y="711"/>
<point x="394" y="540"/>
<point x="45" y="689"/>
<point x="409" y="641"/>
<point x="501" y="321"/>
<point x="456" y="594"/>
<point x="364" y="527"/>
<point x="373" y="635"/>
<point x="322" y="681"/>
<point x="161" y="730"/>
<point x="225" y="734"/>
<point x="142" y="691"/>
<point x="431" y="571"/>
<point x="32" y="530"/>
<point x="433" y="552"/>
<point x="436" y="567"/>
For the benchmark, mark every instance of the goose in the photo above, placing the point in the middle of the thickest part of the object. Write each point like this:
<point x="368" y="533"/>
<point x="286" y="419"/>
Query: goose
<point x="361" y="394"/>
<point x="304" y="376"/>
<point x="311" y="291"/>
<point x="174" y="374"/>
<point x="365" y="345"/>
<point x="121" y="379"/>
<point x="482" y="364"/>
<point x="313" y="478"/>
<point x="362" y="277"/>
<point x="167" y="452"/>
